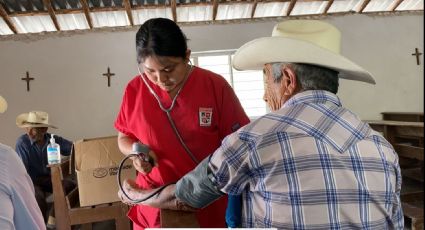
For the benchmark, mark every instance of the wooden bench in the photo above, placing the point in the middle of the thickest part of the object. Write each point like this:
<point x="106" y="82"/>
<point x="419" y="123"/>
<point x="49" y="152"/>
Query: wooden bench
<point x="407" y="139"/>
<point x="413" y="217"/>
<point x="67" y="209"/>
<point x="403" y="116"/>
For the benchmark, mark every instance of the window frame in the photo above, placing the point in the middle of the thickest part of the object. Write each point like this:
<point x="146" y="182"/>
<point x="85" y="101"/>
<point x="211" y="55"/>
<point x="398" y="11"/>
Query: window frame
<point x="229" y="53"/>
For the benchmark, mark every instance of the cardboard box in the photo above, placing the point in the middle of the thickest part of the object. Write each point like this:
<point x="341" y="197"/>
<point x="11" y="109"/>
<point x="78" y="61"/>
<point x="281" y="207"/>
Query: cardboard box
<point x="96" y="165"/>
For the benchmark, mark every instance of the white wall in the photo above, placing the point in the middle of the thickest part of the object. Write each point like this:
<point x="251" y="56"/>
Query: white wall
<point x="69" y="84"/>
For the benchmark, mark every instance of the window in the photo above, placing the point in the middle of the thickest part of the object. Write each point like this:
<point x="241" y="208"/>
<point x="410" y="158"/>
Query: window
<point x="248" y="85"/>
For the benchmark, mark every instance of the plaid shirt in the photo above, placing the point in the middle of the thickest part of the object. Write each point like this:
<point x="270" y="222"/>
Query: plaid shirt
<point x="311" y="165"/>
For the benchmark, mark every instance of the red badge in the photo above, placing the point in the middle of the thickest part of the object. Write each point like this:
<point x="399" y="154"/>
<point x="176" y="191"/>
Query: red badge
<point x="205" y="116"/>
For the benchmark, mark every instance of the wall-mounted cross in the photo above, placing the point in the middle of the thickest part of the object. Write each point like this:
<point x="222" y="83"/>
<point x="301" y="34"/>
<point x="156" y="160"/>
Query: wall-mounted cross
<point x="27" y="79"/>
<point x="108" y="75"/>
<point x="417" y="54"/>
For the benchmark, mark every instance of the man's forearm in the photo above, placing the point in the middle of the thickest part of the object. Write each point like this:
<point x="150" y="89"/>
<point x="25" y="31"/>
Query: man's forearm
<point x="164" y="199"/>
<point x="194" y="190"/>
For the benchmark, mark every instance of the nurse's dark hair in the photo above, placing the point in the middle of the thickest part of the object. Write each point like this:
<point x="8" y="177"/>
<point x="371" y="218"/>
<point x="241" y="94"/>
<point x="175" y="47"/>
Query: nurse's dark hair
<point x="160" y="37"/>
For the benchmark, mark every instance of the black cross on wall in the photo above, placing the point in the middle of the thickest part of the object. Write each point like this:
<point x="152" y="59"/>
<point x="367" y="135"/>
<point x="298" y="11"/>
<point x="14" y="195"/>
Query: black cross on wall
<point x="417" y="54"/>
<point x="108" y="75"/>
<point x="27" y="79"/>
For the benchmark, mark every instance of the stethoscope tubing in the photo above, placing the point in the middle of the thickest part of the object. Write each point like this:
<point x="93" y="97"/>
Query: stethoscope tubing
<point x="136" y="201"/>
<point x="173" y="125"/>
<point x="168" y="111"/>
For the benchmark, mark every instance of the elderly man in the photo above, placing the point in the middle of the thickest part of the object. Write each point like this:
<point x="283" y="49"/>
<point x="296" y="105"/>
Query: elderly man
<point x="19" y="209"/>
<point x="32" y="148"/>
<point x="309" y="164"/>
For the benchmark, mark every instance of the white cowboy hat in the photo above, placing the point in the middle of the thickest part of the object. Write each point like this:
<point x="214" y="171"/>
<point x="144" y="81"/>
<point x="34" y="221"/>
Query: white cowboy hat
<point x="3" y="105"/>
<point x="300" y="41"/>
<point x="33" y="119"/>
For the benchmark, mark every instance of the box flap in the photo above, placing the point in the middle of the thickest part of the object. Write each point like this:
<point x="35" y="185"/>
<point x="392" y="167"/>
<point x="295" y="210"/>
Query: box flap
<point x="97" y="153"/>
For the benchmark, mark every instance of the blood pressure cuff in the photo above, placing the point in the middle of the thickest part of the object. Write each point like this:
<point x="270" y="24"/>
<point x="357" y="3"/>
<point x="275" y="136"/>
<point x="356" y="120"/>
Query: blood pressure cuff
<point x="197" y="188"/>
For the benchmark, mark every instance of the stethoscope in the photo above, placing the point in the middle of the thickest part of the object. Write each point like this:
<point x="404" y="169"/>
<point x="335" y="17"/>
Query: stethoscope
<point x="170" y="119"/>
<point x="168" y="111"/>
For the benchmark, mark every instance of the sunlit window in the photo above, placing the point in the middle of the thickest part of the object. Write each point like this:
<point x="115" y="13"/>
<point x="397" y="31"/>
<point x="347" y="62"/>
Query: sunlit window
<point x="248" y="85"/>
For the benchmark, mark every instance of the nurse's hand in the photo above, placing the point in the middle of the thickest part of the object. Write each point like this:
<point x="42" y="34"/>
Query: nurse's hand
<point x="143" y="166"/>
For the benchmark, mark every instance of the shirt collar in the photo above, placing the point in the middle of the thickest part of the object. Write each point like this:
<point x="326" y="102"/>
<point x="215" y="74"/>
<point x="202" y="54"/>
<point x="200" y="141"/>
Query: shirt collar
<point x="336" y="125"/>
<point x="313" y="96"/>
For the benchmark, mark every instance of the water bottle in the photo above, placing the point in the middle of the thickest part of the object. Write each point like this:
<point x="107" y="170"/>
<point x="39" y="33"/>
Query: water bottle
<point x="53" y="152"/>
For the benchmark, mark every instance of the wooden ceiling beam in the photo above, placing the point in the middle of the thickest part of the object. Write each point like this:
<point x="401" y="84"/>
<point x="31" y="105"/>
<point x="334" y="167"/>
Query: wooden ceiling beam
<point x="363" y="6"/>
<point x="291" y="7"/>
<point x="86" y="10"/>
<point x="330" y="2"/>
<point x="395" y="5"/>
<point x="174" y="9"/>
<point x="215" y="8"/>
<point x="127" y="7"/>
<point x="254" y="7"/>
<point x="52" y="14"/>
<point x="7" y="19"/>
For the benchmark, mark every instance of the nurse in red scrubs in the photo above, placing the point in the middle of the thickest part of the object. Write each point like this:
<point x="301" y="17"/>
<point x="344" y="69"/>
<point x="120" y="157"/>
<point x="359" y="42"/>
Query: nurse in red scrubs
<point x="180" y="111"/>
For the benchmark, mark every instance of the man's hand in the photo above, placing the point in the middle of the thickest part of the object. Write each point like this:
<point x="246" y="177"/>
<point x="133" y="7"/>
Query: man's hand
<point x="165" y="199"/>
<point x="145" y="167"/>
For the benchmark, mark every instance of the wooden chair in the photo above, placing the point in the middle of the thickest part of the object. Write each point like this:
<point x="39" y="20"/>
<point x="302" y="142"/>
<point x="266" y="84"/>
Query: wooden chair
<point x="67" y="209"/>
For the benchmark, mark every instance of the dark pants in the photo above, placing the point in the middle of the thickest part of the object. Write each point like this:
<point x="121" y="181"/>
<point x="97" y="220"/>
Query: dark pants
<point x="42" y="187"/>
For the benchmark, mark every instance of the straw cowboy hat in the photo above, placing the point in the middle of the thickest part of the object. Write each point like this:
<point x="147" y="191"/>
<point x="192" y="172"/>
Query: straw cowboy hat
<point x="3" y="105"/>
<point x="300" y="41"/>
<point x="33" y="119"/>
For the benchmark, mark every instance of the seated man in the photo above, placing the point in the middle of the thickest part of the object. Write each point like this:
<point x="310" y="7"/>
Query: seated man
<point x="19" y="208"/>
<point x="309" y="164"/>
<point x="32" y="148"/>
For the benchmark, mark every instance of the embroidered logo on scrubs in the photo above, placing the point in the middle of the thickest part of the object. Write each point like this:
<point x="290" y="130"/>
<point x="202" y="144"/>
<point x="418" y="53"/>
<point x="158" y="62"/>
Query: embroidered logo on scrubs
<point x="205" y="116"/>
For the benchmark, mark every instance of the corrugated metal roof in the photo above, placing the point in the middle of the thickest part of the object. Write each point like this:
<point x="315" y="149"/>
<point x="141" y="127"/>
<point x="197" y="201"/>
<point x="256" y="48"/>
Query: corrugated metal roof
<point x="312" y="7"/>
<point x="33" y="16"/>
<point x="342" y="6"/>
<point x="411" y="5"/>
<point x="72" y="21"/>
<point x="234" y="11"/>
<point x="378" y="5"/>
<point x="270" y="9"/>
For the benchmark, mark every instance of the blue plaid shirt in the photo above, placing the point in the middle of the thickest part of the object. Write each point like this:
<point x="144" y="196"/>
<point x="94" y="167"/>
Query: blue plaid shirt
<point x="311" y="165"/>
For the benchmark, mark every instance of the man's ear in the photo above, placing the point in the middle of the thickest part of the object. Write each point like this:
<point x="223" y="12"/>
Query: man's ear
<point x="289" y="80"/>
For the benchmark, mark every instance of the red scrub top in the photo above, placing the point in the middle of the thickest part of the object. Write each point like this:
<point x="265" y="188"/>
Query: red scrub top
<point x="206" y="111"/>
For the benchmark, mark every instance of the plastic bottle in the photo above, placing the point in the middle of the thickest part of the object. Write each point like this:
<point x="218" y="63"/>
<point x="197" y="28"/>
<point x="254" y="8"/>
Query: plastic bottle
<point x="53" y="152"/>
